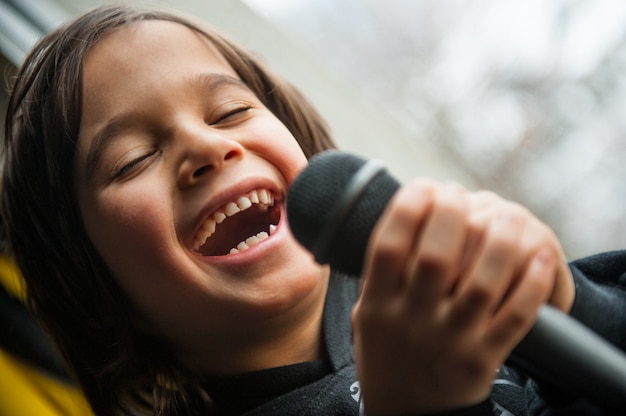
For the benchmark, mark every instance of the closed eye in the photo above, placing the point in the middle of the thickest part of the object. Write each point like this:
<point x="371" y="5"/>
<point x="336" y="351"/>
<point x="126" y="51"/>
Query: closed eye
<point x="232" y="113"/>
<point x="128" y="167"/>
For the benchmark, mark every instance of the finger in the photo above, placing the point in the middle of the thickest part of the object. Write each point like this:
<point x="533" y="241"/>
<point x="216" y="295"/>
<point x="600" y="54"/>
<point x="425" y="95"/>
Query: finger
<point x="435" y="266"/>
<point x="540" y="235"/>
<point x="483" y="207"/>
<point x="394" y="237"/>
<point x="517" y="315"/>
<point x="492" y="272"/>
<point x="562" y="297"/>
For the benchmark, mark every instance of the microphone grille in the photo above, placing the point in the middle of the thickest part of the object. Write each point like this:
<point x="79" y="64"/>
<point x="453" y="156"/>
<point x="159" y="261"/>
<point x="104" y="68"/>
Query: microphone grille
<point x="313" y="197"/>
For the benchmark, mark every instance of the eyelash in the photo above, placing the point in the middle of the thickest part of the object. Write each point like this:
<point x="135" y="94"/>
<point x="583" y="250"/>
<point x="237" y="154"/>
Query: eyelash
<point x="232" y="112"/>
<point x="129" y="166"/>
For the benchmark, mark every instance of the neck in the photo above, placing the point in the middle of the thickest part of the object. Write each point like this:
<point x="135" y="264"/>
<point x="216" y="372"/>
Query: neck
<point x="287" y="339"/>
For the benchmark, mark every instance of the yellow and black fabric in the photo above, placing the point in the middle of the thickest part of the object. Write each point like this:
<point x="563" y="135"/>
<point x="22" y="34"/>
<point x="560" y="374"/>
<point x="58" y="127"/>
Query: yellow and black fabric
<point x="33" y="379"/>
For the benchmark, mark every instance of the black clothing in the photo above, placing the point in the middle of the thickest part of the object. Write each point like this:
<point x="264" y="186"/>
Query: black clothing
<point x="262" y="386"/>
<point x="336" y="392"/>
<point x="331" y="388"/>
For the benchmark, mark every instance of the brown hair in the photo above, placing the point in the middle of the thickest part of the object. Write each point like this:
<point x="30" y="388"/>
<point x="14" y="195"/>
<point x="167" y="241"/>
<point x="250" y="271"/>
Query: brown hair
<point x="70" y="289"/>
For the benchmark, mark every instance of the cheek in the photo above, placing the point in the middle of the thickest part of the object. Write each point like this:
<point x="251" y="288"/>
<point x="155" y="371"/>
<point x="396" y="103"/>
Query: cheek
<point x="127" y="228"/>
<point x="282" y="150"/>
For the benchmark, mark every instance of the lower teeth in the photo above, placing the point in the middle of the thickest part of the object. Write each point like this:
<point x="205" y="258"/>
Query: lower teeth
<point x="252" y="241"/>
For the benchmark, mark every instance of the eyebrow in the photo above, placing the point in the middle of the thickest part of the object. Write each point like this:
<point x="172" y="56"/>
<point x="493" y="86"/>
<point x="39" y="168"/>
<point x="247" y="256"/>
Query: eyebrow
<point x="116" y="126"/>
<point x="104" y="138"/>
<point x="214" y="81"/>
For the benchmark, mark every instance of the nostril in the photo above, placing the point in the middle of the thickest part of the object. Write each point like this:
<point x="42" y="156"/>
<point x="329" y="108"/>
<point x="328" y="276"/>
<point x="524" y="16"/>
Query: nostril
<point x="200" y="172"/>
<point x="207" y="167"/>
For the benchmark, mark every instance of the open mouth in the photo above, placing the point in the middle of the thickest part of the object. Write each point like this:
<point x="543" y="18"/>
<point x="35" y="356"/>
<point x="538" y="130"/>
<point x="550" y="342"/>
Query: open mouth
<point x="238" y="225"/>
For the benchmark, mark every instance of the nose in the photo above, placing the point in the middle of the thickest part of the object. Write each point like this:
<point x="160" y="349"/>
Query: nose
<point x="204" y="152"/>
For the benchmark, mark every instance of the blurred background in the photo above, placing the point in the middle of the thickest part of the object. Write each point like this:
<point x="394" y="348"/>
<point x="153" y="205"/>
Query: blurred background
<point x="524" y="98"/>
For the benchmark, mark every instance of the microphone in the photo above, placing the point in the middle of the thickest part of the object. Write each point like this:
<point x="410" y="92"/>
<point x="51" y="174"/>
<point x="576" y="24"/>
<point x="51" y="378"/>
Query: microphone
<point x="332" y="207"/>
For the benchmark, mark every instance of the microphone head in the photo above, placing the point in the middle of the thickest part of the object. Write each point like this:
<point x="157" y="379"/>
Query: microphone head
<point x="319" y="193"/>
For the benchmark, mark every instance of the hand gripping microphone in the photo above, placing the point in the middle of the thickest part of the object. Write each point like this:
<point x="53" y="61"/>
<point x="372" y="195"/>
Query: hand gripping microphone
<point x="332" y="207"/>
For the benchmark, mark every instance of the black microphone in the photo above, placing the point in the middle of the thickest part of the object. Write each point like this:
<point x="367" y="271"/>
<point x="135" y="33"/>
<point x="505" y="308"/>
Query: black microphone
<point x="332" y="207"/>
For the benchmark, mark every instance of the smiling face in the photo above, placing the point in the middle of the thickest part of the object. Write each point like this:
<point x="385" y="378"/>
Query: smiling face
<point x="181" y="176"/>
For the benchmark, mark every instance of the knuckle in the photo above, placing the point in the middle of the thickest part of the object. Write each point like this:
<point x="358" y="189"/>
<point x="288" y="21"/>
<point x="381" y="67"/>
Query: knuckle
<point x="406" y="207"/>
<point x="484" y="198"/>
<point x="503" y="243"/>
<point x="453" y="197"/>
<point x="387" y="251"/>
<point x="500" y="249"/>
<point x="489" y="196"/>
<point x="518" y="211"/>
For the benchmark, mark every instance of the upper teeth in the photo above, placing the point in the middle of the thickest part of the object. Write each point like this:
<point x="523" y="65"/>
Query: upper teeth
<point x="261" y="197"/>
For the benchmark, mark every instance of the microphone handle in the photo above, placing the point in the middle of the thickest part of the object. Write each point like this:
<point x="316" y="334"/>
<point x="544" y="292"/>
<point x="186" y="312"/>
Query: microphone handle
<point x="569" y="356"/>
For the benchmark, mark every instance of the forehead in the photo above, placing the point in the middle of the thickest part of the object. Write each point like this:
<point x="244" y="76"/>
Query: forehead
<point x="136" y="62"/>
<point x="137" y="39"/>
<point x="149" y="51"/>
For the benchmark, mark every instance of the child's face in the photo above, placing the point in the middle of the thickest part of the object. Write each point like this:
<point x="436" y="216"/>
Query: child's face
<point x="169" y="140"/>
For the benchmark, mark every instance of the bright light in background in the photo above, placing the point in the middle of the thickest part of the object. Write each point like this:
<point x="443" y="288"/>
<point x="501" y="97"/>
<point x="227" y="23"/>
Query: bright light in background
<point x="596" y="28"/>
<point x="528" y="96"/>
<point x="277" y="9"/>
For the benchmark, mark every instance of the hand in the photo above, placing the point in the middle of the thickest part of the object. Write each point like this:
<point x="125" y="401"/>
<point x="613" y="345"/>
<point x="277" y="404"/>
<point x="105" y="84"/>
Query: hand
<point x="486" y="205"/>
<point x="452" y="282"/>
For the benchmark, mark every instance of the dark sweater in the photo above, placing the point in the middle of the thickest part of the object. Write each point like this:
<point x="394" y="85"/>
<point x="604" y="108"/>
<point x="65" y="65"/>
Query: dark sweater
<point x="331" y="387"/>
